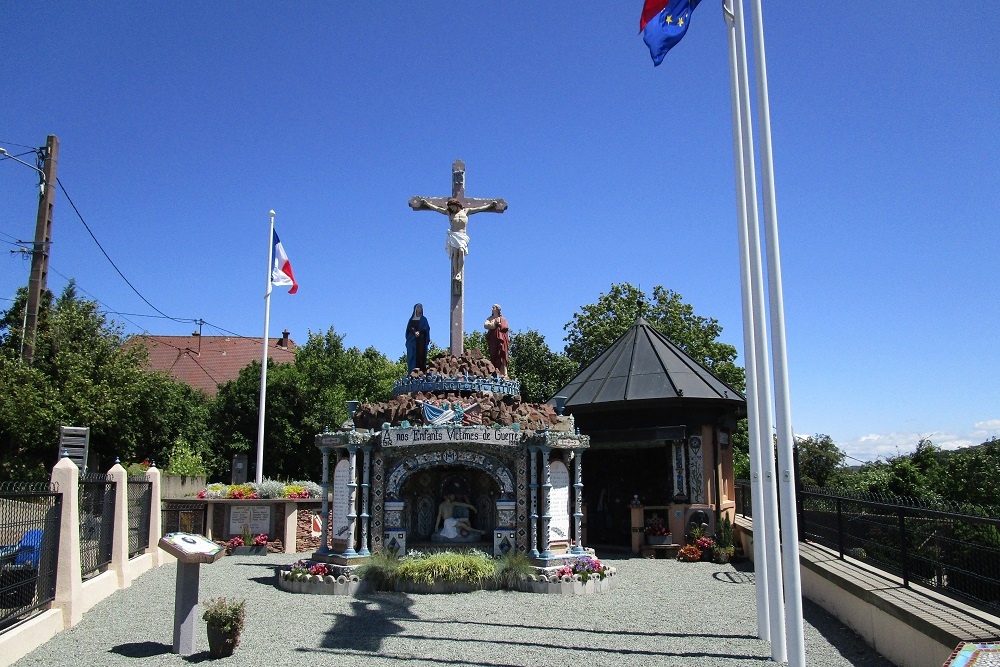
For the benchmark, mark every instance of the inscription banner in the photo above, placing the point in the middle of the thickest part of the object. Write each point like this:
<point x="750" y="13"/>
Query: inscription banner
<point x="404" y="437"/>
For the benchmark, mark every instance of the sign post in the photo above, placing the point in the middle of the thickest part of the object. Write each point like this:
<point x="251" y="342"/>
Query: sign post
<point x="191" y="551"/>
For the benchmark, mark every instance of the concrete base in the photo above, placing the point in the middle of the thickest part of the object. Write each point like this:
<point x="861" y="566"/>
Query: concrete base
<point x="97" y="588"/>
<point x="24" y="638"/>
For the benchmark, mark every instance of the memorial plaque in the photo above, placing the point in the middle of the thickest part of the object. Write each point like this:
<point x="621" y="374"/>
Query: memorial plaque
<point x="257" y="519"/>
<point x="341" y="501"/>
<point x="190" y="547"/>
<point x="559" y="502"/>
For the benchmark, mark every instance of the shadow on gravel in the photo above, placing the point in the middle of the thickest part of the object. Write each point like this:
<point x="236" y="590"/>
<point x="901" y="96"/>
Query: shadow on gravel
<point x="564" y="629"/>
<point x="372" y="618"/>
<point x="850" y="645"/>
<point x="141" y="649"/>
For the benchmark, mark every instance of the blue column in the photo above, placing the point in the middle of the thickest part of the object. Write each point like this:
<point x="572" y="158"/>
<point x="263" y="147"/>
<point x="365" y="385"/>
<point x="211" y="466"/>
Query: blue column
<point x="578" y="504"/>
<point x="533" y="492"/>
<point x="324" y="538"/>
<point x="546" y="503"/>
<point x="352" y="499"/>
<point x="364" y="501"/>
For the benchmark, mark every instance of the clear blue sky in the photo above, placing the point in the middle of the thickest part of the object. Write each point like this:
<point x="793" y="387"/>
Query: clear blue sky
<point x="182" y="124"/>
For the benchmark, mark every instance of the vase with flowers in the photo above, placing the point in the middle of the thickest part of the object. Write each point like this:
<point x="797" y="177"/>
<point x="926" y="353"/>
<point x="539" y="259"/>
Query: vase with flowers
<point x="247" y="544"/>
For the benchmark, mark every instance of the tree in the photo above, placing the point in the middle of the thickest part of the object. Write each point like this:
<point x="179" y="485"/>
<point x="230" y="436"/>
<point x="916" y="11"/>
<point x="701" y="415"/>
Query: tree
<point x="83" y="376"/>
<point x="540" y="371"/>
<point x="819" y="457"/>
<point x="596" y="326"/>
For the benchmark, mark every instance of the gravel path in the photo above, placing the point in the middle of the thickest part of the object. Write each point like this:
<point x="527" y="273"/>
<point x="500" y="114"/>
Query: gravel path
<point x="663" y="612"/>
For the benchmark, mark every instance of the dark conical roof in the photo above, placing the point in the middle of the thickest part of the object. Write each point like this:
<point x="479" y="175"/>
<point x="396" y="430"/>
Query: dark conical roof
<point x="643" y="365"/>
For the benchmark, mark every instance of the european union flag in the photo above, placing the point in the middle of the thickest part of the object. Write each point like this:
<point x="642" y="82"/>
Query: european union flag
<point x="663" y="26"/>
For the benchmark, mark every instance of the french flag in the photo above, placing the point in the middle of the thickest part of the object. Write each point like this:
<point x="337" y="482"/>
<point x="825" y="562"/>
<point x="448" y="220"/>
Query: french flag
<point x="281" y="268"/>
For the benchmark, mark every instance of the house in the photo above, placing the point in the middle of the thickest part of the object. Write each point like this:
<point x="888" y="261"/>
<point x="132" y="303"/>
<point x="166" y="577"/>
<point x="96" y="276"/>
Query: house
<point x="205" y="362"/>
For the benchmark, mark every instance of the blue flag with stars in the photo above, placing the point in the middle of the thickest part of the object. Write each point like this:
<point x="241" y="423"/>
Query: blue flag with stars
<point x="662" y="31"/>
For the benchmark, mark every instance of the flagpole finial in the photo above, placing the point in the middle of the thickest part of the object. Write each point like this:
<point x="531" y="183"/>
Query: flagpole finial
<point x="272" y="213"/>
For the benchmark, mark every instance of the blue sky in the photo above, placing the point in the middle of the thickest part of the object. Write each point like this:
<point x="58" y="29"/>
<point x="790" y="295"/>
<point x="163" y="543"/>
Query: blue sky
<point x="182" y="124"/>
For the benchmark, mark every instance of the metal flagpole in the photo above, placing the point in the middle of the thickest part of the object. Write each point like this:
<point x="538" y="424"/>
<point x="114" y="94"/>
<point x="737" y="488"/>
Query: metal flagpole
<point x="790" y="537"/>
<point x="769" y="488"/>
<point x="749" y="351"/>
<point x="263" y="362"/>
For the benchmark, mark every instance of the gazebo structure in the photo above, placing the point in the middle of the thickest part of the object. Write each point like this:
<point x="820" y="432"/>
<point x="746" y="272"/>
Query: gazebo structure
<point x="660" y="427"/>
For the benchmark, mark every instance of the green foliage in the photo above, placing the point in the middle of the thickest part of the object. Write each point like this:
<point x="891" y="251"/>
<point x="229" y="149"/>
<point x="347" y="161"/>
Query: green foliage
<point x="511" y="569"/>
<point x="469" y="567"/>
<point x="540" y="371"/>
<point x="226" y="615"/>
<point x="740" y="440"/>
<point x="819" y="456"/>
<point x="184" y="461"/>
<point x="380" y="571"/>
<point x="596" y="326"/>
<point x="476" y="340"/>
<point x="724" y="533"/>
<point x="83" y="375"/>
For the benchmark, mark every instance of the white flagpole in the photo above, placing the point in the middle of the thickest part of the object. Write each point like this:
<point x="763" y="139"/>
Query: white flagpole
<point x="263" y="361"/>
<point x="769" y="487"/>
<point x="790" y="533"/>
<point x="749" y="348"/>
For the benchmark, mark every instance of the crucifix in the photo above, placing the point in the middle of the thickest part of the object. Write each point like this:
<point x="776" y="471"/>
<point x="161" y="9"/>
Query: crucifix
<point x="458" y="208"/>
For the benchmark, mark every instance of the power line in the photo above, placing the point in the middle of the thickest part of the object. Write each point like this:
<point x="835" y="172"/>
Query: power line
<point x="108" y="257"/>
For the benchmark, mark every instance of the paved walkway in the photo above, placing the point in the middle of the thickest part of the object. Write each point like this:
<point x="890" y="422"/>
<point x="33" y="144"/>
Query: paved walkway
<point x="663" y="612"/>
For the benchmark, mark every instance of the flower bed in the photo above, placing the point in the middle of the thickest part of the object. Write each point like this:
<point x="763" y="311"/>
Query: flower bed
<point x="579" y="576"/>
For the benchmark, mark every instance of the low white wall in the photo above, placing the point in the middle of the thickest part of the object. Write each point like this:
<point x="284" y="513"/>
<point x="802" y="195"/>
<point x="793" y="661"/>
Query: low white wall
<point x="896" y="640"/>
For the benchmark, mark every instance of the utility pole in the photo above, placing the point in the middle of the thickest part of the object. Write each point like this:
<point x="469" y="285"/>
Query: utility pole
<point x="43" y="237"/>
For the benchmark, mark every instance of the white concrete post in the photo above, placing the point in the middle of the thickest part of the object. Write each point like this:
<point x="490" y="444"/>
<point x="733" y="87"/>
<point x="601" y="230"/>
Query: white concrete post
<point x="119" y="542"/>
<point x="69" y="582"/>
<point x="291" y="527"/>
<point x="155" y="518"/>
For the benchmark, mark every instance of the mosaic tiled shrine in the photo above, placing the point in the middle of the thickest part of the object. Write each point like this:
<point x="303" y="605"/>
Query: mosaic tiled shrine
<point x="525" y="489"/>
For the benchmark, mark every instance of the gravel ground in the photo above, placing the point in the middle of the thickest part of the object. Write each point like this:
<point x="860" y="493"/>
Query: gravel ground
<point x="663" y="612"/>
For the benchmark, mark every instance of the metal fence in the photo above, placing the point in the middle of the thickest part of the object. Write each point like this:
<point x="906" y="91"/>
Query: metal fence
<point x="954" y="549"/>
<point x="97" y="522"/>
<point x="29" y="548"/>
<point x="140" y="498"/>
<point x="181" y="517"/>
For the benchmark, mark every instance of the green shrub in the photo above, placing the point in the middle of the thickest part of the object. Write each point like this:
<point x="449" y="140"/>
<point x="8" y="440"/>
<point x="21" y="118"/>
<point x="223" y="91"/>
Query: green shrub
<point x="467" y="567"/>
<point x="184" y="461"/>
<point x="724" y="534"/>
<point x="380" y="571"/>
<point x="225" y="615"/>
<point x="512" y="569"/>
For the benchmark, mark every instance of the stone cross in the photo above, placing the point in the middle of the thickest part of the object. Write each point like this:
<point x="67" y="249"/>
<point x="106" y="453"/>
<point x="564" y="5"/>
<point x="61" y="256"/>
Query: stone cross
<point x="457" y="241"/>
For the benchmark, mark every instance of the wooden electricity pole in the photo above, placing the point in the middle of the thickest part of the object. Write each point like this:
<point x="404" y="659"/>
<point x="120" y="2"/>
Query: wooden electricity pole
<point x="40" y="251"/>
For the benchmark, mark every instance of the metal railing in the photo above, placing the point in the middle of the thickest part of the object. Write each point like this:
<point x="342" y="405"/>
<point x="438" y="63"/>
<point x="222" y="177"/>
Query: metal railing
<point x="182" y="517"/>
<point x="140" y="498"/>
<point x="954" y="549"/>
<point x="29" y="548"/>
<point x="97" y="522"/>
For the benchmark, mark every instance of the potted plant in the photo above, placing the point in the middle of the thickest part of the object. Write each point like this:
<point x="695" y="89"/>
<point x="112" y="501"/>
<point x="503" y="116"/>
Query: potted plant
<point x="247" y="544"/>
<point x="706" y="545"/>
<point x="656" y="531"/>
<point x="724" y="548"/>
<point x="225" y="618"/>
<point x="689" y="553"/>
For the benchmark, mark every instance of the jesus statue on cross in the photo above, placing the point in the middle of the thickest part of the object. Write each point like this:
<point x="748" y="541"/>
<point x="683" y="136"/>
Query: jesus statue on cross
<point x="458" y="208"/>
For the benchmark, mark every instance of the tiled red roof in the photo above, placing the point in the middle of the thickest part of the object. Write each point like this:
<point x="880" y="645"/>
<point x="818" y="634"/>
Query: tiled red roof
<point x="205" y="362"/>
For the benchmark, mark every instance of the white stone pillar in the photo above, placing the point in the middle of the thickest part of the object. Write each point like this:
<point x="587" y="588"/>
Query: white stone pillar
<point x="290" y="538"/>
<point x="365" y="462"/>
<point x="546" y="552"/>
<point x="155" y="517"/>
<point x="533" y="492"/>
<point x="69" y="582"/>
<point x="119" y="541"/>
<point x="352" y="499"/>
<point x="578" y="502"/>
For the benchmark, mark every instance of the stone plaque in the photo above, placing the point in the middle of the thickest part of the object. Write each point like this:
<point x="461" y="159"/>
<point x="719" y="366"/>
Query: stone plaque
<point x="559" y="502"/>
<point x="255" y="517"/>
<point x="341" y="501"/>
